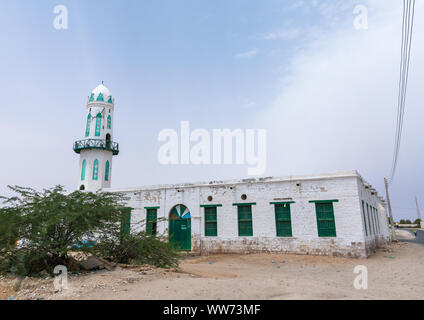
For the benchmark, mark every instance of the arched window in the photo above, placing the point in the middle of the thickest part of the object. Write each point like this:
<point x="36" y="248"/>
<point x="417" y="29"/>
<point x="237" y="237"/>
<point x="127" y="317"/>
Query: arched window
<point x="83" y="170"/>
<point x="98" y="124"/>
<point x="107" y="171"/>
<point x="96" y="169"/>
<point x="109" y="122"/>
<point x="87" y="128"/>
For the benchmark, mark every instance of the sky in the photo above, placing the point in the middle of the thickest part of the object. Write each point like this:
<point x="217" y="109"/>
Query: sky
<point x="324" y="91"/>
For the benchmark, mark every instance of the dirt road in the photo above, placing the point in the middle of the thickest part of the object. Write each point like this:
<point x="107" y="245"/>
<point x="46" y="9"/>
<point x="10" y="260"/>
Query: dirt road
<point x="394" y="272"/>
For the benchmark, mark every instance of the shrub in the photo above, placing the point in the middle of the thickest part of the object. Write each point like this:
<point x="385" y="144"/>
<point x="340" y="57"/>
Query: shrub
<point x="137" y="248"/>
<point x="50" y="223"/>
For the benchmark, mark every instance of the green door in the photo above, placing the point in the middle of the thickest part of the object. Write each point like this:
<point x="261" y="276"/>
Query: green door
<point x="180" y="227"/>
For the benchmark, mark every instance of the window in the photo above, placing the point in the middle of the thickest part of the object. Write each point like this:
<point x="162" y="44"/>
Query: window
<point x="87" y="128"/>
<point x="83" y="170"/>
<point x="245" y="220"/>
<point x="109" y="122"/>
<point x="107" y="171"/>
<point x="211" y="229"/>
<point x="325" y="219"/>
<point x="126" y="221"/>
<point x="364" y="218"/>
<point x="377" y="220"/>
<point x="151" y="220"/>
<point x="96" y="169"/>
<point x="283" y="220"/>
<point x="369" y="219"/>
<point x="98" y="124"/>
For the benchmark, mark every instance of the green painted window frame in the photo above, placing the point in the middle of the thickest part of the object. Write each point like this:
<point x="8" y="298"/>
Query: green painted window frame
<point x="244" y="218"/>
<point x="364" y="218"/>
<point x="210" y="205"/>
<point x="211" y="222"/>
<point x="87" y="128"/>
<point x="369" y="219"/>
<point x="107" y="165"/>
<point x="151" y="220"/>
<point x="98" y="124"/>
<point x="126" y="221"/>
<point x="283" y="223"/>
<point x="326" y="222"/>
<point x="96" y="169"/>
<point x="109" y="122"/>
<point x="377" y="218"/>
<point x="84" y="164"/>
<point x="323" y="201"/>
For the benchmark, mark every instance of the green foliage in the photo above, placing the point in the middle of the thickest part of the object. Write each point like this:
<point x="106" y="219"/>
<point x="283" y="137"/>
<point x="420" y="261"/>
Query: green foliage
<point x="50" y="223"/>
<point x="137" y="248"/>
<point x="417" y="221"/>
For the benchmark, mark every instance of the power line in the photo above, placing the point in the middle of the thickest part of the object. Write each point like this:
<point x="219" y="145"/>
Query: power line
<point x="407" y="28"/>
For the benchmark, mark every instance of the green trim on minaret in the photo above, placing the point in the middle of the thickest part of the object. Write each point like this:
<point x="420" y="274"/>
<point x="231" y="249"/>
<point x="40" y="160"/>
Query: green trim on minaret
<point x="110" y="100"/>
<point x="107" y="171"/>
<point x="87" y="129"/>
<point x="100" y="97"/>
<point x="91" y="97"/>
<point x="83" y="170"/>
<point x="98" y="124"/>
<point x="96" y="169"/>
<point x="109" y="122"/>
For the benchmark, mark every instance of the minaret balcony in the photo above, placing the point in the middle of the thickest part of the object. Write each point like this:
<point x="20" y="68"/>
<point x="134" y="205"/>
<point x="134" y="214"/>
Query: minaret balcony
<point x="96" y="144"/>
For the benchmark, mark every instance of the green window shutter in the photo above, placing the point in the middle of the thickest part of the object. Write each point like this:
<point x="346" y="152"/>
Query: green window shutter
<point x="283" y="220"/>
<point x="211" y="227"/>
<point x="96" y="169"/>
<point x="368" y="219"/>
<point x="151" y="221"/>
<point x="107" y="171"/>
<point x="126" y="221"/>
<point x="87" y="128"/>
<point x="84" y="163"/>
<point x="245" y="220"/>
<point x="364" y="218"/>
<point x="109" y="122"/>
<point x="98" y="124"/>
<point x="325" y="219"/>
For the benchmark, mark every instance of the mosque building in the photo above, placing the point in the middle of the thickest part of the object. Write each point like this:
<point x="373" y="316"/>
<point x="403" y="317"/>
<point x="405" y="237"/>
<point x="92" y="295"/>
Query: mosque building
<point x="336" y="214"/>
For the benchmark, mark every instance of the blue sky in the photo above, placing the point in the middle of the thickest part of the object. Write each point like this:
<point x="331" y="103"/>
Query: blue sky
<point x="324" y="91"/>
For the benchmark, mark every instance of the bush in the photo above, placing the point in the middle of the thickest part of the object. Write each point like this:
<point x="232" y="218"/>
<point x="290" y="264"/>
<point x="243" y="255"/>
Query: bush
<point x="137" y="248"/>
<point x="50" y="223"/>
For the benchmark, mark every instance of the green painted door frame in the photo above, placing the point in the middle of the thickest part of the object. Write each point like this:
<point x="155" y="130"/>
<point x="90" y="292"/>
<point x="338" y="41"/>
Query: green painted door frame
<point x="180" y="228"/>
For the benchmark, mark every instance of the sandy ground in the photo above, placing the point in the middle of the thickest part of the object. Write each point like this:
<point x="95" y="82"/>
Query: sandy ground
<point x="394" y="272"/>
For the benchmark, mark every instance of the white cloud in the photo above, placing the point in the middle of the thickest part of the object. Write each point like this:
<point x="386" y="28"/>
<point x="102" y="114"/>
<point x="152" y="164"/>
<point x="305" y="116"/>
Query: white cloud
<point x="247" y="54"/>
<point x="337" y="107"/>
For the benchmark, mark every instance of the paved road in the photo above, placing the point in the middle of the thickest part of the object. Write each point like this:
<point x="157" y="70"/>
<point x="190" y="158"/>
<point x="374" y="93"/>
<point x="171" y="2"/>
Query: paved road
<point x="419" y="238"/>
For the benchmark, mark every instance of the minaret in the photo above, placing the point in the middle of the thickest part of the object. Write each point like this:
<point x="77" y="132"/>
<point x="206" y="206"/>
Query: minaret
<point x="97" y="147"/>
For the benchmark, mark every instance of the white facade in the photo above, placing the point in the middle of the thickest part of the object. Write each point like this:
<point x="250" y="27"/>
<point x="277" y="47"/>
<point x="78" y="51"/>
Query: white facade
<point x="97" y="147"/>
<point x="328" y="214"/>
<point x="345" y="190"/>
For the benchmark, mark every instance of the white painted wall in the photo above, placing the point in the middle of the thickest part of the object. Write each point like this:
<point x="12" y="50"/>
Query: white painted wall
<point x="345" y="187"/>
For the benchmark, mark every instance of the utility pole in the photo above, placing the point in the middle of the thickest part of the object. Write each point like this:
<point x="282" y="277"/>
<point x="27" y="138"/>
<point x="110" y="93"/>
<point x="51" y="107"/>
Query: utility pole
<point x="392" y="226"/>
<point x="418" y="208"/>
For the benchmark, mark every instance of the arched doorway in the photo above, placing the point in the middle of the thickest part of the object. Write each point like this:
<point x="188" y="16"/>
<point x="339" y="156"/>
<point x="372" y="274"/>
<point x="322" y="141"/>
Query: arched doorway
<point x="108" y="141"/>
<point x="82" y="187"/>
<point x="180" y="227"/>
